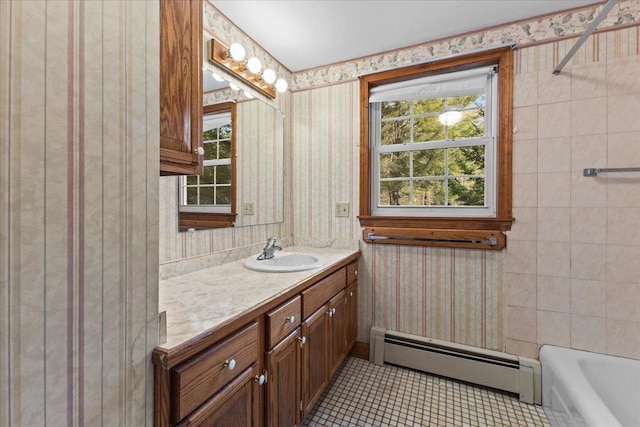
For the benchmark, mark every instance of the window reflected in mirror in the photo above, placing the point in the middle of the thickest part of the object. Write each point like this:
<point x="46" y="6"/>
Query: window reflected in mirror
<point x="208" y="200"/>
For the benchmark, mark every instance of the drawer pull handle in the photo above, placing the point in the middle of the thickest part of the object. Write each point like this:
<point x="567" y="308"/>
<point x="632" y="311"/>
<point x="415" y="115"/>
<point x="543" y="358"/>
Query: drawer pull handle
<point x="329" y="313"/>
<point x="260" y="379"/>
<point x="291" y="319"/>
<point x="230" y="364"/>
<point x="302" y="340"/>
<point x="351" y="293"/>
<point x="333" y="311"/>
<point x="199" y="151"/>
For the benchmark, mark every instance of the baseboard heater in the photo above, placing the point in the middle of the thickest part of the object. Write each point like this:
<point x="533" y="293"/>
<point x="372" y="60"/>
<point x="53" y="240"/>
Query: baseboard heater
<point x="502" y="371"/>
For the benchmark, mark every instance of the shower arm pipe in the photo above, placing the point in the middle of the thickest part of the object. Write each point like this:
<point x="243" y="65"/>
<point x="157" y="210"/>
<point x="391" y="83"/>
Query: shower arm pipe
<point x="592" y="27"/>
<point x="596" y="171"/>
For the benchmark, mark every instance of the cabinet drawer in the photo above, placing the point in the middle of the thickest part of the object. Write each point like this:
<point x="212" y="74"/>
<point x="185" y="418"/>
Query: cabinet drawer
<point x="237" y="401"/>
<point x="283" y="320"/>
<point x="197" y="379"/>
<point x="352" y="272"/>
<point x="318" y="294"/>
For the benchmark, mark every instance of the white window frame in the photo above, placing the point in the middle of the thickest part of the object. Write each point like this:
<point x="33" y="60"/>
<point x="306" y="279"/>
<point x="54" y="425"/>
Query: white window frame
<point x="437" y="86"/>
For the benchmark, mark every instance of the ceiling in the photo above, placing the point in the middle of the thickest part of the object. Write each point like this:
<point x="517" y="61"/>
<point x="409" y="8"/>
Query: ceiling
<point x="304" y="34"/>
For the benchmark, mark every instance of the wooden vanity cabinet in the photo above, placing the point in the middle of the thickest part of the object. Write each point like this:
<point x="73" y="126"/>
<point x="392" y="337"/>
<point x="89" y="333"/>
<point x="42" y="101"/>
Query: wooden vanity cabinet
<point x="338" y="318"/>
<point x="216" y="383"/>
<point x="180" y="87"/>
<point x="293" y="345"/>
<point x="236" y="405"/>
<point x="329" y="331"/>
<point x="352" y="304"/>
<point x="284" y="382"/>
<point x="315" y="358"/>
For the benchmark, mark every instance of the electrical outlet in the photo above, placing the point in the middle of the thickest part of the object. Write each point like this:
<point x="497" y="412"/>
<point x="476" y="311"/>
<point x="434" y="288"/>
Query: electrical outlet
<point x="248" y="209"/>
<point x="342" y="209"/>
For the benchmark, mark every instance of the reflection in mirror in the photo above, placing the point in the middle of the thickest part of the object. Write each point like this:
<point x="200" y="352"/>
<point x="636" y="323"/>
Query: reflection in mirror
<point x="257" y="182"/>
<point x="208" y="200"/>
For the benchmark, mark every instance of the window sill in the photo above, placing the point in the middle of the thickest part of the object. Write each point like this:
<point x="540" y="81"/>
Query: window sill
<point x="202" y="220"/>
<point x="437" y="223"/>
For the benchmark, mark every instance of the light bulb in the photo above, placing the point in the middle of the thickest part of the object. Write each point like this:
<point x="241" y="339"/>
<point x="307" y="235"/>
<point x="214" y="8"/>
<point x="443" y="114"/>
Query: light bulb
<point x="234" y="87"/>
<point x="269" y="76"/>
<point x="217" y="77"/>
<point x="254" y="65"/>
<point x="281" y="85"/>
<point x="237" y="52"/>
<point x="248" y="94"/>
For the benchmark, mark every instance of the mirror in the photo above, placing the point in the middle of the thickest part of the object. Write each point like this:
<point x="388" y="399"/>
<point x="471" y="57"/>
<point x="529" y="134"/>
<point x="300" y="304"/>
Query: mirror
<point x="259" y="156"/>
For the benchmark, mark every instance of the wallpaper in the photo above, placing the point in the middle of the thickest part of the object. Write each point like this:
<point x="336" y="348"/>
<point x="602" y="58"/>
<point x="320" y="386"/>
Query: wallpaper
<point x="474" y="297"/>
<point x="78" y="212"/>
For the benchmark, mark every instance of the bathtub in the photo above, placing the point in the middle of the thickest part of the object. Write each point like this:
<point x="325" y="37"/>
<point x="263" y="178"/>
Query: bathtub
<point x="589" y="389"/>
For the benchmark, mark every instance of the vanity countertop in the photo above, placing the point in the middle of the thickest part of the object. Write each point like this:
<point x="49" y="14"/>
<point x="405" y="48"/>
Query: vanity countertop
<point x="201" y="300"/>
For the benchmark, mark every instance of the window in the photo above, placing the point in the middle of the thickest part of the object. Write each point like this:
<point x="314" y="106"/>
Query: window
<point x="208" y="200"/>
<point x="436" y="144"/>
<point x="433" y="145"/>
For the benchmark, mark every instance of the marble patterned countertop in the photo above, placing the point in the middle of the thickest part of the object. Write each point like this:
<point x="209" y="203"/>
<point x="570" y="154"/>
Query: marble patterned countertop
<point x="198" y="301"/>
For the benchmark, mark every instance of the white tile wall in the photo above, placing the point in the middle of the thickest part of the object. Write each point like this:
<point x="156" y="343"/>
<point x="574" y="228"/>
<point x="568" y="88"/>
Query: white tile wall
<point x="583" y="241"/>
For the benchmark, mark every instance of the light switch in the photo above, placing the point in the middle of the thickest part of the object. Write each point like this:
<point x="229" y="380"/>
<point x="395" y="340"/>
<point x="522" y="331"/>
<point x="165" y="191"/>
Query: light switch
<point x="342" y="209"/>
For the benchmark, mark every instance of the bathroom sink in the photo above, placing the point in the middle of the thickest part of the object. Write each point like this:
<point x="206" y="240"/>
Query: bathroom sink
<point x="284" y="262"/>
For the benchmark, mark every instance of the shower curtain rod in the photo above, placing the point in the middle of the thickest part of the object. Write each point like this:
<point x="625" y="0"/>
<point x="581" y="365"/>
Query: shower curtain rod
<point x="596" y="21"/>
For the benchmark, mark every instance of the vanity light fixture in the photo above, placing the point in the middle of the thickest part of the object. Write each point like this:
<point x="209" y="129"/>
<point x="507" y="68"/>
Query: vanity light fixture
<point x="249" y="71"/>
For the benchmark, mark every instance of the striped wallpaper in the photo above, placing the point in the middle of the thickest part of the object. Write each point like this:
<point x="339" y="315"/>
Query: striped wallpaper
<point x="81" y="205"/>
<point x="454" y="295"/>
<point x="447" y="294"/>
<point x="78" y="212"/>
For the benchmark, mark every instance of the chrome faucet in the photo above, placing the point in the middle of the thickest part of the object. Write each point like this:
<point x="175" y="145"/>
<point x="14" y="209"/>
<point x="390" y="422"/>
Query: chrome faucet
<point x="269" y="249"/>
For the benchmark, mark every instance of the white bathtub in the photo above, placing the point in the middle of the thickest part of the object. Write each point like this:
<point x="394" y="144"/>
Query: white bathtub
<point x="589" y="389"/>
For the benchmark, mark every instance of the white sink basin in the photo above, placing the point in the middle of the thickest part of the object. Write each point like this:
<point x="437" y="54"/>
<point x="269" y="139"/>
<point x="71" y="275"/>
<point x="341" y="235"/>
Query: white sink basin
<point x="284" y="262"/>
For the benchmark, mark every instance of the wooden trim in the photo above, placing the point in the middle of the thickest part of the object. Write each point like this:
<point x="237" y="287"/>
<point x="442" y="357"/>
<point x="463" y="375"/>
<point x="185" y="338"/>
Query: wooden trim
<point x="469" y="239"/>
<point x="360" y="350"/>
<point x="503" y="57"/>
<point x="204" y="220"/>
<point x="437" y="223"/>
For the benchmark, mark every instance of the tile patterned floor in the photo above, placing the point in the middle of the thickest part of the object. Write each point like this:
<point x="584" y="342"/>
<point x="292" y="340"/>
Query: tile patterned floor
<point x="365" y="394"/>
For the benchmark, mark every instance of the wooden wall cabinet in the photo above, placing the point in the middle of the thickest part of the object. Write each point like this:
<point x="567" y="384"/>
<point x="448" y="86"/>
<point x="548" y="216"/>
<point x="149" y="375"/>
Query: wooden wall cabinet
<point x="181" y="87"/>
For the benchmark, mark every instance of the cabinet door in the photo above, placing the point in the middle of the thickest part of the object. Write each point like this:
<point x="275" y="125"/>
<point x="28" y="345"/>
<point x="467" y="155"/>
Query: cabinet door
<point x="236" y="405"/>
<point x="338" y="331"/>
<point x="180" y="87"/>
<point x="352" y="308"/>
<point x="283" y="382"/>
<point x="315" y="358"/>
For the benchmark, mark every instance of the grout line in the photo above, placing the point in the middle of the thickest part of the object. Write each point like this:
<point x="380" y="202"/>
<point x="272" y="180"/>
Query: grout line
<point x="365" y="394"/>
